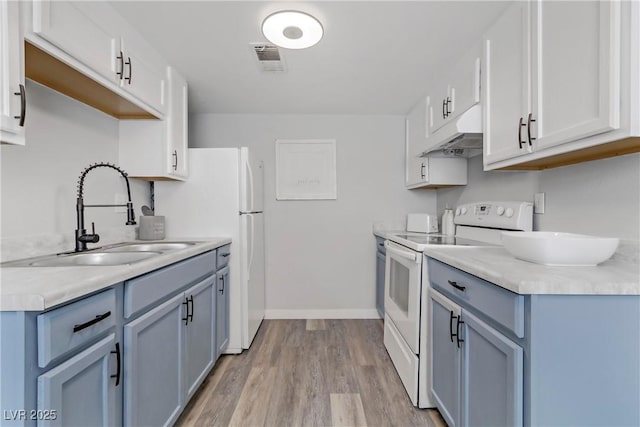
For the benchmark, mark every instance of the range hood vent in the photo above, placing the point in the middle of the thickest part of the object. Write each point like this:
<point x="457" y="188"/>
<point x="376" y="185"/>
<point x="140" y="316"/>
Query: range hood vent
<point x="463" y="133"/>
<point x="268" y="57"/>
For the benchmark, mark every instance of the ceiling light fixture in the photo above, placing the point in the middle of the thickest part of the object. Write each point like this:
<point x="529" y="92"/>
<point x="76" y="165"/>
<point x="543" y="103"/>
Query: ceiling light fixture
<point x="292" y="30"/>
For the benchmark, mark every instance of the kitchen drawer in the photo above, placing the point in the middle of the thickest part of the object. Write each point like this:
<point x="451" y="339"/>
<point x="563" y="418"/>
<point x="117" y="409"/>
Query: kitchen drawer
<point x="144" y="291"/>
<point x="224" y="253"/>
<point x="496" y="303"/>
<point x="69" y="327"/>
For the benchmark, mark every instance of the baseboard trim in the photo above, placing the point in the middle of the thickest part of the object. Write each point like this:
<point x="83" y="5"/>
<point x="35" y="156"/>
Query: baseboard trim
<point x="322" y="314"/>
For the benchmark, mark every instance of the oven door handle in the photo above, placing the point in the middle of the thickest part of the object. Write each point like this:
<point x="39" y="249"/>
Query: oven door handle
<point x="410" y="255"/>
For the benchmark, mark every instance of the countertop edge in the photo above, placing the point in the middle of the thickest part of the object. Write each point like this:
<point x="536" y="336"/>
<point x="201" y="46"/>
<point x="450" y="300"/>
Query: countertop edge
<point x="98" y="278"/>
<point x="616" y="285"/>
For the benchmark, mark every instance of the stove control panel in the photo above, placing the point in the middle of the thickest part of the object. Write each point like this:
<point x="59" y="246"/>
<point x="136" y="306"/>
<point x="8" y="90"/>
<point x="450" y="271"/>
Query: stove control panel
<point x="504" y="215"/>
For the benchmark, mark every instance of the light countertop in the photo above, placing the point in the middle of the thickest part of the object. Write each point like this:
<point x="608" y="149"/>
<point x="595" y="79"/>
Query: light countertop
<point x="616" y="276"/>
<point x="40" y="288"/>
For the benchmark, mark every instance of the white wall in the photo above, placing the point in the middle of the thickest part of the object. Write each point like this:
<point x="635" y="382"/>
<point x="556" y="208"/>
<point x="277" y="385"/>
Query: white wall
<point x="39" y="180"/>
<point x="601" y="197"/>
<point x="321" y="254"/>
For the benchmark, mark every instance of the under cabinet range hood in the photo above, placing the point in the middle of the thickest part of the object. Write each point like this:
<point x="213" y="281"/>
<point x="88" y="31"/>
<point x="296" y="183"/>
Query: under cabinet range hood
<point x="462" y="136"/>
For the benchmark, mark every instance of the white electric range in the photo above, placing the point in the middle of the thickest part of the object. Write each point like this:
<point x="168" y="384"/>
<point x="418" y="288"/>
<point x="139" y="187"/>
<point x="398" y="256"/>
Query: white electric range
<point x="407" y="284"/>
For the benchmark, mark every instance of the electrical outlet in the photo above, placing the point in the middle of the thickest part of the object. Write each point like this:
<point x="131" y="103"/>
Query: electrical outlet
<point x="538" y="203"/>
<point x="120" y="199"/>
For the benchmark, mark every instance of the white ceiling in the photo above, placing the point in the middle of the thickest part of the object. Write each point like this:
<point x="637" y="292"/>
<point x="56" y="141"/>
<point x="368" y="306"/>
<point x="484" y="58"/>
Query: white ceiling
<point x="375" y="58"/>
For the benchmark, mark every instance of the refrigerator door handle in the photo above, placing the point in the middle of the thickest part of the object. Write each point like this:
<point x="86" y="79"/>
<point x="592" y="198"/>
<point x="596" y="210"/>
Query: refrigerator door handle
<point x="250" y="178"/>
<point x="251" y="244"/>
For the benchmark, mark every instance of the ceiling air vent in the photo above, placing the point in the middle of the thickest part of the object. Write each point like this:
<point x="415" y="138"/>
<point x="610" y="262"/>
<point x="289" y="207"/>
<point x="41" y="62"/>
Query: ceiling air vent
<point x="268" y="57"/>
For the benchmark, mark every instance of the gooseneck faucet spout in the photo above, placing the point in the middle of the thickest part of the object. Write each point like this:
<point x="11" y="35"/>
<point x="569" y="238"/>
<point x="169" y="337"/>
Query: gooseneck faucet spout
<point x="82" y="238"/>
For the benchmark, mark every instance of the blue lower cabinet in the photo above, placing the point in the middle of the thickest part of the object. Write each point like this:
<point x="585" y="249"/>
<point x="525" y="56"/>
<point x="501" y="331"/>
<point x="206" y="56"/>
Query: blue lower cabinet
<point x="200" y="333"/>
<point x="222" y="303"/>
<point x="82" y="390"/>
<point x="492" y="375"/>
<point x="380" y="271"/>
<point x="477" y="372"/>
<point x="153" y="388"/>
<point x="446" y="357"/>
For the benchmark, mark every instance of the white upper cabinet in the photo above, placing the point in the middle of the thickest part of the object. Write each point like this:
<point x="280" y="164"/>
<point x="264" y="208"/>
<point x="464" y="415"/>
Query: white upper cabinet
<point x="157" y="149"/>
<point x="558" y="81"/>
<point x="143" y="71"/>
<point x="458" y="91"/>
<point x="84" y="30"/>
<point x="576" y="73"/>
<point x="176" y="126"/>
<point x="12" y="89"/>
<point x="94" y="35"/>
<point x="416" y="133"/>
<point x="506" y="84"/>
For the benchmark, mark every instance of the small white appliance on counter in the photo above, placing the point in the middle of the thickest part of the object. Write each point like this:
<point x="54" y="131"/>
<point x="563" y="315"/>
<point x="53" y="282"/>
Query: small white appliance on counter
<point x="422" y="223"/>
<point x="224" y="198"/>
<point x="406" y="288"/>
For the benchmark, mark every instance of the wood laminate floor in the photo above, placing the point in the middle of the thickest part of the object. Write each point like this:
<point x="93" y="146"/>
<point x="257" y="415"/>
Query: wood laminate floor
<point x="308" y="373"/>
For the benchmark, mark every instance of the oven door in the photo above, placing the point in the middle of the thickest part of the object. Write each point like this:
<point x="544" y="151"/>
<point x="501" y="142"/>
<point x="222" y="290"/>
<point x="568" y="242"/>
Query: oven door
<point x="403" y="274"/>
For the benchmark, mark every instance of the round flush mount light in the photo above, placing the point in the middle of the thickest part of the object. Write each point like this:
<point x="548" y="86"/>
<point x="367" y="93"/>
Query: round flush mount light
<point x="292" y="30"/>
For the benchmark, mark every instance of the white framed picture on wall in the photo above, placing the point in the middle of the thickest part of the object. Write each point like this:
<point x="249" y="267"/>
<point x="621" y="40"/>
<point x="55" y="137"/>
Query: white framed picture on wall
<point x="306" y="169"/>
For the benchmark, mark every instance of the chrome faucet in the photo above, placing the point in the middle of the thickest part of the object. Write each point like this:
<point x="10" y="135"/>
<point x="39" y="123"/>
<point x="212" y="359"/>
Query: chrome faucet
<point x="82" y="237"/>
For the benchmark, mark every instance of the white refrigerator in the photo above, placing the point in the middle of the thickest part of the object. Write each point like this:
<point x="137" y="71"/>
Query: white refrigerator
<point x="224" y="197"/>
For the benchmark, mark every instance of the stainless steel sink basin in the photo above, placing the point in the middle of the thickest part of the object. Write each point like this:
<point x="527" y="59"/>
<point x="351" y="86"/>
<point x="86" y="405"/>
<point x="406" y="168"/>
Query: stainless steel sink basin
<point x="151" y="246"/>
<point x="92" y="259"/>
<point x="118" y="254"/>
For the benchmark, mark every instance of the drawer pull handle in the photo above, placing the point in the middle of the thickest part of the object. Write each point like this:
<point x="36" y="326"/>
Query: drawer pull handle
<point x="23" y="106"/>
<point x="520" y="126"/>
<point x="226" y="255"/>
<point x="186" y="315"/>
<point x="189" y="315"/>
<point x="458" y="339"/>
<point x="455" y="285"/>
<point x="451" y="334"/>
<point x="222" y="289"/>
<point x="529" y="120"/>
<point x="91" y="322"/>
<point x="121" y="59"/>
<point x="118" y="364"/>
<point x="128" y="62"/>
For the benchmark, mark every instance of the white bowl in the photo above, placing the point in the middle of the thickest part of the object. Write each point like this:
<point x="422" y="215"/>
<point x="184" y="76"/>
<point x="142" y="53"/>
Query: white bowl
<point x="559" y="249"/>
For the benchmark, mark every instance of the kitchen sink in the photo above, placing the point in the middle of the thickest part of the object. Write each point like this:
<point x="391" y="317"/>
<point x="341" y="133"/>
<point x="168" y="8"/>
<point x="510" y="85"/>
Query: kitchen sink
<point x="118" y="254"/>
<point x="85" y="259"/>
<point x="151" y="246"/>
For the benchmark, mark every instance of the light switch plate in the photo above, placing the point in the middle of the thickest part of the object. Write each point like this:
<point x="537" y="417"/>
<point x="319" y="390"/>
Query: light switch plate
<point x="538" y="203"/>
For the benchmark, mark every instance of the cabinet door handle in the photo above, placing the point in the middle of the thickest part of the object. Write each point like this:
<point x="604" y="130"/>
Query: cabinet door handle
<point x="186" y="315"/>
<point x="529" y="120"/>
<point x="23" y="106"/>
<point x="458" y="339"/>
<point x="121" y="59"/>
<point x="118" y="364"/>
<point x="130" y="69"/>
<point x="448" y="104"/>
<point x="175" y="159"/>
<point x="451" y="334"/>
<point x="221" y="290"/>
<point x="455" y="285"/>
<point x="190" y="315"/>
<point x="227" y="254"/>
<point x="444" y="108"/>
<point x="98" y="318"/>
<point x="422" y="171"/>
<point x="520" y="126"/>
